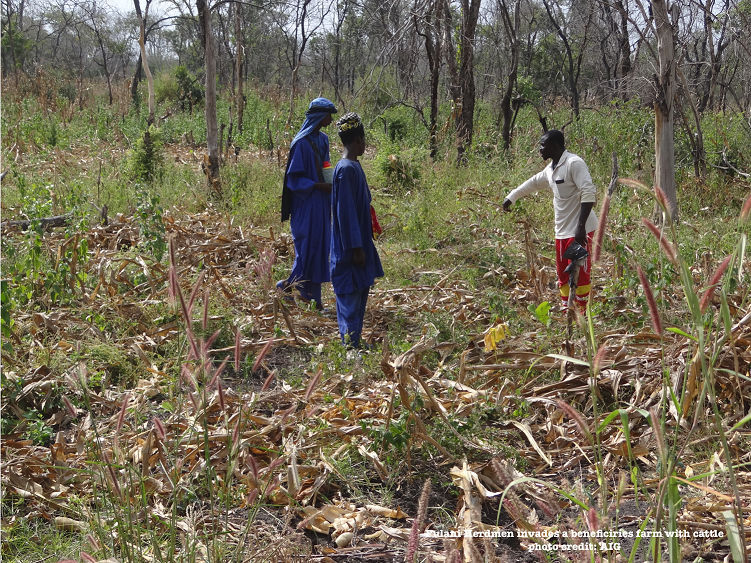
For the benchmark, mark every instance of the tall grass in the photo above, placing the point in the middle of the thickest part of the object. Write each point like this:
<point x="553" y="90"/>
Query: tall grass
<point x="683" y="410"/>
<point x="135" y="518"/>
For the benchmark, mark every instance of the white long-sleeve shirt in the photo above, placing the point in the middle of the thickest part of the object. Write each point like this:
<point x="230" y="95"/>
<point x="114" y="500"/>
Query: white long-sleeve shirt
<point x="571" y="184"/>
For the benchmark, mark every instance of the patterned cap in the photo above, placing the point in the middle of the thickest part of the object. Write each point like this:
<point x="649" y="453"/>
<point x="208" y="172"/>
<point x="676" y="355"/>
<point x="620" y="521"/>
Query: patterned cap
<point x="348" y="122"/>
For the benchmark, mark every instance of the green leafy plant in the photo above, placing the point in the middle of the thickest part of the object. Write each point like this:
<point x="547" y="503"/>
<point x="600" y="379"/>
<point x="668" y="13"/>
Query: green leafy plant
<point x="37" y="429"/>
<point x="147" y="157"/>
<point x="398" y="167"/>
<point x="166" y="88"/>
<point x="149" y="214"/>
<point x="541" y="312"/>
<point x="189" y="93"/>
<point x="395" y="435"/>
<point x="6" y="319"/>
<point x="32" y="271"/>
<point x="53" y="134"/>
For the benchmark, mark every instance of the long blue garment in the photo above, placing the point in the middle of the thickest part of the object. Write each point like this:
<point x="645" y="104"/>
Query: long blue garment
<point x="350" y="314"/>
<point x="352" y="228"/>
<point x="310" y="220"/>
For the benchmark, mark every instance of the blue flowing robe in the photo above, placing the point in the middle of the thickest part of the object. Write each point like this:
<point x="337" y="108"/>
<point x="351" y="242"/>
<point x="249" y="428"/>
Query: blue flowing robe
<point x="310" y="220"/>
<point x="352" y="228"/>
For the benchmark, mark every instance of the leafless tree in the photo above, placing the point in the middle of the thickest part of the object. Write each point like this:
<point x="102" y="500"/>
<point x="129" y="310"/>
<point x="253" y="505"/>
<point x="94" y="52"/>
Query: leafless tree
<point x="97" y="19"/>
<point x="665" y="16"/>
<point x="466" y="121"/>
<point x="211" y="161"/>
<point x="462" y="79"/>
<point x="624" y="42"/>
<point x="143" y="58"/>
<point x="695" y="137"/>
<point x="145" y="29"/>
<point x="705" y="48"/>
<point x="342" y="10"/>
<point x="510" y="12"/>
<point x="307" y="19"/>
<point x="239" y="97"/>
<point x="14" y="47"/>
<point x="611" y="46"/>
<point x="430" y="30"/>
<point x="574" y="53"/>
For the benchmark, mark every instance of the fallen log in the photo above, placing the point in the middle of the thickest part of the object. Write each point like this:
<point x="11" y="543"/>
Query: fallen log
<point x="46" y="222"/>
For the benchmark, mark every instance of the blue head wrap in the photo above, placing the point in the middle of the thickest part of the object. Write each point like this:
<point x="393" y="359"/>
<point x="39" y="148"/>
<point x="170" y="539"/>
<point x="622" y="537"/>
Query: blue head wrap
<point x="317" y="111"/>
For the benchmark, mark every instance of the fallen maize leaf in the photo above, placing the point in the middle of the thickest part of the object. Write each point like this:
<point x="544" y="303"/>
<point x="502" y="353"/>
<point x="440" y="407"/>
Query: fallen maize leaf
<point x="494" y="335"/>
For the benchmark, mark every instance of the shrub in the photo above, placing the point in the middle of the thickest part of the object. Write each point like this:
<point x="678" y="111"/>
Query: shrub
<point x="166" y="88"/>
<point x="68" y="91"/>
<point x="149" y="214"/>
<point x="52" y="133"/>
<point x="397" y="129"/>
<point x="189" y="93"/>
<point x="146" y="159"/>
<point x="263" y="124"/>
<point x="399" y="168"/>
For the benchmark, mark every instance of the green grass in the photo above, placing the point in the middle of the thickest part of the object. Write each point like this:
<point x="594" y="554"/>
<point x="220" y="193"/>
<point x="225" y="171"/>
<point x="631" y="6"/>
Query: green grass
<point x="28" y="540"/>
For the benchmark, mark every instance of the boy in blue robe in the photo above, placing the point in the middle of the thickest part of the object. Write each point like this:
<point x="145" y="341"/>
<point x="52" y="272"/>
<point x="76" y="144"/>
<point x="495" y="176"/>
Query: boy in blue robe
<point x="354" y="260"/>
<point x="306" y="201"/>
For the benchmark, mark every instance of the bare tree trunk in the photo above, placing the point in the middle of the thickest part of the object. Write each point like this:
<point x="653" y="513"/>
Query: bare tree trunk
<point x="465" y="130"/>
<point x="211" y="160"/>
<point x="239" y="95"/>
<point x="81" y="68"/>
<point x="10" y="61"/>
<point x="435" y="78"/>
<point x="143" y="59"/>
<point x="105" y="66"/>
<point x="511" y="22"/>
<point x="17" y="64"/>
<point x="448" y="40"/>
<point x="136" y="79"/>
<point x="624" y="48"/>
<point x="292" y="94"/>
<point x="573" y="63"/>
<point x="454" y="87"/>
<point x="301" y="21"/>
<point x="222" y="38"/>
<point x="432" y="37"/>
<point x="341" y="16"/>
<point x="221" y="138"/>
<point x="715" y="49"/>
<point x="664" y="104"/>
<point x="695" y="138"/>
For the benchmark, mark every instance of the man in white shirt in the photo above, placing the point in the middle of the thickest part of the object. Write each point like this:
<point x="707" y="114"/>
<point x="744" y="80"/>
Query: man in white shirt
<point x="569" y="179"/>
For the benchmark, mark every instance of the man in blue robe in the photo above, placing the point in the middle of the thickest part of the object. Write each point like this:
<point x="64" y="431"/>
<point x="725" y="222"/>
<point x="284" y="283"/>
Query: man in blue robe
<point x="354" y="260"/>
<point x="306" y="202"/>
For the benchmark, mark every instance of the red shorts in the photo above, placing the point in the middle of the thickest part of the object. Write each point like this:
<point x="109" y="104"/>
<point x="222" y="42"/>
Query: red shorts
<point x="561" y="263"/>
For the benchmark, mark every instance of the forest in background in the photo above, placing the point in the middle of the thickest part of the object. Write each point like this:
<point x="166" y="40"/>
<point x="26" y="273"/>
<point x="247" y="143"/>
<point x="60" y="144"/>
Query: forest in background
<point x="160" y="402"/>
<point x="437" y="58"/>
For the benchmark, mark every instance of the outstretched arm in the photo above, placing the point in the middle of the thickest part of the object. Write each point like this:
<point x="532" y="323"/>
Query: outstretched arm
<point x="534" y="184"/>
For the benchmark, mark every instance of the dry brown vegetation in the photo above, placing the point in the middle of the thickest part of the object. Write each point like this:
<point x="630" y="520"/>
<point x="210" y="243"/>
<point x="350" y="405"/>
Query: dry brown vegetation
<point x="264" y="441"/>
